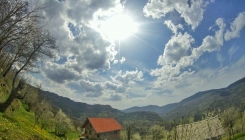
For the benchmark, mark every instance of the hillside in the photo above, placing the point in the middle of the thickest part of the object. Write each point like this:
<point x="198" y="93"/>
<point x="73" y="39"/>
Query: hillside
<point x="211" y="100"/>
<point x="197" y="104"/>
<point x="18" y="124"/>
<point x="79" y="110"/>
<point x="153" y="108"/>
<point x="194" y="105"/>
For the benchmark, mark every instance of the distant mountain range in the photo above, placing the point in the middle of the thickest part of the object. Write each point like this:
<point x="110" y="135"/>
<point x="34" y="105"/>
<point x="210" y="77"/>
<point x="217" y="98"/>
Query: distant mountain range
<point x="153" y="108"/>
<point x="195" y="105"/>
<point x="80" y="111"/>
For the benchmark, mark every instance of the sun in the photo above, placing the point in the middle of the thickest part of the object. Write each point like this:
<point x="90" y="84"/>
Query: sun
<point x="118" y="27"/>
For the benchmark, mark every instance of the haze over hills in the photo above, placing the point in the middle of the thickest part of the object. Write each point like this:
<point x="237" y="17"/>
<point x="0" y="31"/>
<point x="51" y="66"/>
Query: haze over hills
<point x="195" y="105"/>
<point x="80" y="111"/>
<point x="154" y="108"/>
<point x="211" y="100"/>
<point x="233" y="95"/>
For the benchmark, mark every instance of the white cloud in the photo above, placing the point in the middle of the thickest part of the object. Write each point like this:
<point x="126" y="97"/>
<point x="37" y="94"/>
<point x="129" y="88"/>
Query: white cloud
<point x="115" y="61"/>
<point x="129" y="77"/>
<point x="220" y="59"/>
<point x="177" y="56"/>
<point x="191" y="12"/>
<point x="122" y="60"/>
<point x="92" y="89"/>
<point x="177" y="47"/>
<point x="232" y="51"/>
<point x="115" y="87"/>
<point x="113" y="97"/>
<point x="86" y="52"/>
<point x="59" y="73"/>
<point x="236" y="27"/>
<point x="172" y="27"/>
<point x="211" y="43"/>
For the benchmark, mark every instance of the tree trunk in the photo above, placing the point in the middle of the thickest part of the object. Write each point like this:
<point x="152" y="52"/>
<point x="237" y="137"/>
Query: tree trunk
<point x="12" y="96"/>
<point x="7" y="103"/>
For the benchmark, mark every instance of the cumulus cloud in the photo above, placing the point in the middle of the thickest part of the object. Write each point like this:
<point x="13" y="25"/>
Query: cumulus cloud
<point x="235" y="27"/>
<point x="172" y="27"/>
<point x="86" y="51"/>
<point x="129" y="77"/>
<point x="59" y="73"/>
<point x="93" y="89"/>
<point x="179" y="55"/>
<point x="119" y="88"/>
<point x="177" y="47"/>
<point x="116" y="87"/>
<point x="211" y="43"/>
<point x="113" y="97"/>
<point x="191" y="12"/>
<point x="122" y="60"/>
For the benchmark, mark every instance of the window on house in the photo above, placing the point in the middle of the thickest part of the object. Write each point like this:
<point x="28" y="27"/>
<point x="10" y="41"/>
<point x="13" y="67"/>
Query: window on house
<point x="90" y="132"/>
<point x="98" y="135"/>
<point x="115" y="132"/>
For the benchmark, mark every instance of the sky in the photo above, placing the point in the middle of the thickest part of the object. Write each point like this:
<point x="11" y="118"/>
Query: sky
<point x="128" y="53"/>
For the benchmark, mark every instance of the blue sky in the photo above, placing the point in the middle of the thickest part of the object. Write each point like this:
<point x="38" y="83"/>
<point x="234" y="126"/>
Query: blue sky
<point x="178" y="48"/>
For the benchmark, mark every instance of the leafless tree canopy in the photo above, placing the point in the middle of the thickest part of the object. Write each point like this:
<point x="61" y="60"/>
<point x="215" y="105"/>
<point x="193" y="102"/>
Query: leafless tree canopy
<point x="24" y="42"/>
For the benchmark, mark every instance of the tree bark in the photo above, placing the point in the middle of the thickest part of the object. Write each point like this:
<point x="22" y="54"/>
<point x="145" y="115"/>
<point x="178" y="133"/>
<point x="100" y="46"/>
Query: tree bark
<point x="12" y="96"/>
<point x="7" y="103"/>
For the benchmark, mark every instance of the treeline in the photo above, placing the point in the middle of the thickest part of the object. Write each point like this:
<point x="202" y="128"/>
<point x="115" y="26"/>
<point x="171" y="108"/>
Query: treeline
<point x="232" y="122"/>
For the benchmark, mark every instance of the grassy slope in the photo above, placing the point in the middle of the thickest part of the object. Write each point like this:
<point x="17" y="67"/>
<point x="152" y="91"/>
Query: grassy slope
<point x="19" y="124"/>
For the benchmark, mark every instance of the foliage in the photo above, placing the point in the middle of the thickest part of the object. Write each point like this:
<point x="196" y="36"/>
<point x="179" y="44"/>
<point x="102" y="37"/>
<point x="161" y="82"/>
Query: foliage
<point x="157" y="132"/>
<point x="62" y="124"/>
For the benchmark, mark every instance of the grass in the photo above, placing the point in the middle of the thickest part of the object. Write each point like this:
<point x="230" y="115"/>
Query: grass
<point x="239" y="136"/>
<point x="19" y="124"/>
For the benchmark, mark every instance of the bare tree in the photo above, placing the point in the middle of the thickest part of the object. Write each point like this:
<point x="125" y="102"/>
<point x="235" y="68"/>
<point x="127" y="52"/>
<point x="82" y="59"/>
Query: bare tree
<point x="14" y="14"/>
<point x="24" y="40"/>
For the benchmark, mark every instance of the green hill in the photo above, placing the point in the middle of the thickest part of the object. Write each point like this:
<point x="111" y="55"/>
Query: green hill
<point x="78" y="110"/>
<point x="197" y="104"/>
<point x="19" y="125"/>
<point x="16" y="123"/>
<point x="211" y="100"/>
<point x="152" y="108"/>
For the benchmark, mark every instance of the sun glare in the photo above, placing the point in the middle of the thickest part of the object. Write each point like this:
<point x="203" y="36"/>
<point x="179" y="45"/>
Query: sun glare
<point x="118" y="27"/>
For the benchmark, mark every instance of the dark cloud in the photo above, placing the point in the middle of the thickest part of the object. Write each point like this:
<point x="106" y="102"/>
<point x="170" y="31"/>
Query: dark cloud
<point x="114" y="97"/>
<point x="128" y="77"/>
<point x="92" y="89"/>
<point x="59" y="74"/>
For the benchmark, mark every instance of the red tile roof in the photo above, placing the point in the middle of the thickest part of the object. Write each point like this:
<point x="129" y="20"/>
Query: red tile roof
<point x="104" y="124"/>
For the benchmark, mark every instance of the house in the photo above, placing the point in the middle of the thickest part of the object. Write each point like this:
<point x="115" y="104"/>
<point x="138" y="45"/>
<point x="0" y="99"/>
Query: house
<point x="102" y="128"/>
<point x="208" y="129"/>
